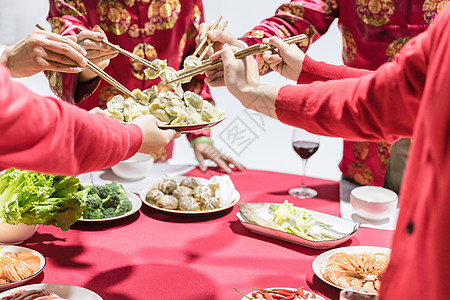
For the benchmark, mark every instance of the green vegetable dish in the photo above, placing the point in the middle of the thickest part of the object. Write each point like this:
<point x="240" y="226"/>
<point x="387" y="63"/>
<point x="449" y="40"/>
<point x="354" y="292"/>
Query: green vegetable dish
<point x="34" y="198"/>
<point x="103" y="202"/>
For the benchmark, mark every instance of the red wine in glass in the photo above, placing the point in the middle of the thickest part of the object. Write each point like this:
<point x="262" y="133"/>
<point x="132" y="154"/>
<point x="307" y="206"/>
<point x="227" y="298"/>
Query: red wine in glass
<point x="305" y="149"/>
<point x="305" y="145"/>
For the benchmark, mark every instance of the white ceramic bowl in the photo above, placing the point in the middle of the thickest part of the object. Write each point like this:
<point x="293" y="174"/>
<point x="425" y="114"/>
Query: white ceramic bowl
<point x="136" y="167"/>
<point x="16" y="234"/>
<point x="373" y="202"/>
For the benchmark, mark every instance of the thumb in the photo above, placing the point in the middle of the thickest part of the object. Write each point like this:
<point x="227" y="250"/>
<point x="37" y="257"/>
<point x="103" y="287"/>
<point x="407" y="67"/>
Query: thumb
<point x="221" y="36"/>
<point x="171" y="134"/>
<point x="276" y="42"/>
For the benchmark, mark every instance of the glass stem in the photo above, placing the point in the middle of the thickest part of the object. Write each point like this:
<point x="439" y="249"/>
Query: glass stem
<point x="304" y="161"/>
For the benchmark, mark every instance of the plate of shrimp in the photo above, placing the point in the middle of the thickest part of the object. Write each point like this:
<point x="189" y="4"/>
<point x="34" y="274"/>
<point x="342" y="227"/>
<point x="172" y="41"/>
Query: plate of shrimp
<point x="357" y="267"/>
<point x="18" y="265"/>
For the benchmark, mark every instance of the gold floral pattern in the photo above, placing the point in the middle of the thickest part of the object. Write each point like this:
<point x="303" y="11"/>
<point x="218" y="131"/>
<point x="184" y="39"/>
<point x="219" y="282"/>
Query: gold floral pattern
<point x="349" y="45"/>
<point x="146" y="51"/>
<point x="330" y="7"/>
<point x="55" y="82"/>
<point x="181" y="47"/>
<point x="360" y="151"/>
<point x="360" y="173"/>
<point x="375" y="12"/>
<point x="431" y="8"/>
<point x="106" y="94"/>
<point x="291" y="12"/>
<point x="195" y="22"/>
<point x="57" y="25"/>
<point x="384" y="151"/>
<point x="71" y="7"/>
<point x="255" y="34"/>
<point x="395" y="47"/>
<point x="283" y="32"/>
<point x="113" y="16"/>
<point x="164" y="13"/>
<point x="311" y="32"/>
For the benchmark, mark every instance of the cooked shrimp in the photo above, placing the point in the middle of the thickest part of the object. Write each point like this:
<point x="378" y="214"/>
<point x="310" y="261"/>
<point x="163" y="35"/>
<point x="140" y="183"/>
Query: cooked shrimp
<point x="355" y="269"/>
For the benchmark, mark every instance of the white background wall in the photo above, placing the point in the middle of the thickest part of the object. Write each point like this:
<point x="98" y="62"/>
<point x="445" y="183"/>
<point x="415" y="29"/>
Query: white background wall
<point x="258" y="142"/>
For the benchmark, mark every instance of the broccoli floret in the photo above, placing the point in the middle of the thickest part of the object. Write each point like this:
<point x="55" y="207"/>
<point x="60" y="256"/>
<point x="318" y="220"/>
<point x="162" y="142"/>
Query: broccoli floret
<point x="93" y="201"/>
<point x="80" y="187"/>
<point x="109" y="212"/>
<point x="93" y="213"/>
<point x="115" y="188"/>
<point x="101" y="191"/>
<point x="112" y="201"/>
<point x="123" y="207"/>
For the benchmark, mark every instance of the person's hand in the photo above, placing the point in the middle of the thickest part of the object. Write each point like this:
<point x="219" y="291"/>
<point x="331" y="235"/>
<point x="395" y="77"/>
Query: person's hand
<point x="97" y="52"/>
<point x="204" y="151"/>
<point x="288" y="61"/>
<point x="41" y="50"/>
<point x="154" y="139"/>
<point x="218" y="37"/>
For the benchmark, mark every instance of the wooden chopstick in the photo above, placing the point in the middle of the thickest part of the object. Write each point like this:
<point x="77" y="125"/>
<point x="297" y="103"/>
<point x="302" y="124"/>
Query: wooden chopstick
<point x="252" y="50"/>
<point x="105" y="76"/>
<point x="211" y="43"/>
<point x="205" y="38"/>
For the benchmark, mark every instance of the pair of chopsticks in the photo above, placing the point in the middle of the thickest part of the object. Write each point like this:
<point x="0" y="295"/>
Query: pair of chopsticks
<point x="252" y="50"/>
<point x="105" y="76"/>
<point x="205" y="39"/>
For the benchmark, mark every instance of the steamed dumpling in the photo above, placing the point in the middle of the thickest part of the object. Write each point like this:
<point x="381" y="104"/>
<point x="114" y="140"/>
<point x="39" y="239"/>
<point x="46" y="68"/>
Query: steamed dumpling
<point x="170" y="74"/>
<point x="132" y="109"/>
<point x="169" y="202"/>
<point x="193" y="100"/>
<point x="174" y="107"/>
<point x="191" y="62"/>
<point x="139" y="95"/>
<point x="202" y="192"/>
<point x="151" y="93"/>
<point x="182" y="191"/>
<point x="167" y="186"/>
<point x="186" y="119"/>
<point x="153" y="196"/>
<point x="190" y="182"/>
<point x="210" y="113"/>
<point x="160" y="66"/>
<point x="209" y="203"/>
<point x="188" y="203"/>
<point x="115" y="107"/>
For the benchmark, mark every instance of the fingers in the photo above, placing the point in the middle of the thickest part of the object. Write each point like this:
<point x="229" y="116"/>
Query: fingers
<point x="64" y="50"/>
<point x="202" y="31"/>
<point x="223" y="37"/>
<point x="222" y="164"/>
<point x="215" y="79"/>
<point x="276" y="42"/>
<point x="230" y="161"/>
<point x="227" y="56"/>
<point x="201" y="161"/>
<point x="56" y="66"/>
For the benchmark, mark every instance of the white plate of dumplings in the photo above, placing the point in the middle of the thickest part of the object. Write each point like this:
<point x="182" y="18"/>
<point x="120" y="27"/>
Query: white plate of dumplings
<point x="191" y="195"/>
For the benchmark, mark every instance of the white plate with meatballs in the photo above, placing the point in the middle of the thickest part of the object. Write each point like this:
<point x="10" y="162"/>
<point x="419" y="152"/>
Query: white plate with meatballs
<point x="191" y="195"/>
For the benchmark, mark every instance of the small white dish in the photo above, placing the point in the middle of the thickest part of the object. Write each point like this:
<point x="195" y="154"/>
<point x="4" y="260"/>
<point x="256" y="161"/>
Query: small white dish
<point x="66" y="291"/>
<point x="17" y="249"/>
<point x="349" y="250"/>
<point x="134" y="168"/>
<point x="136" y="205"/>
<point x="373" y="202"/>
<point x="16" y="234"/>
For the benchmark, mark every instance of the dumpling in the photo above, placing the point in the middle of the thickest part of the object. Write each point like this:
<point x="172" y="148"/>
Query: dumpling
<point x="209" y="203"/>
<point x="193" y="100"/>
<point x="140" y="95"/>
<point x="115" y="107"/>
<point x="174" y="107"/>
<point x="182" y="191"/>
<point x="186" y="119"/>
<point x="169" y="75"/>
<point x="191" y="62"/>
<point x="188" y="203"/>
<point x="169" y="202"/>
<point x="157" y="108"/>
<point x="154" y="195"/>
<point x="210" y="113"/>
<point x="151" y="93"/>
<point x="167" y="186"/>
<point x="132" y="110"/>
<point x="202" y="192"/>
<point x="190" y="182"/>
<point x="160" y="66"/>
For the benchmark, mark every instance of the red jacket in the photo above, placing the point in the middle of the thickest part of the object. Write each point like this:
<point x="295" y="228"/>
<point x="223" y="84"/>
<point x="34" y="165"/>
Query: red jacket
<point x="48" y="135"/>
<point x="416" y="87"/>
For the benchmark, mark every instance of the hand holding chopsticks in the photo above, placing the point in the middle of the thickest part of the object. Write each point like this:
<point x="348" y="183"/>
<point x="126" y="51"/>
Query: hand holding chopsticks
<point x="94" y="68"/>
<point x="252" y="50"/>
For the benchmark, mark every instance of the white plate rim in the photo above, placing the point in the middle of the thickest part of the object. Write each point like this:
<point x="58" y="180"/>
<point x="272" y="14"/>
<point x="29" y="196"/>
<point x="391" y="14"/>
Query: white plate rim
<point x="136" y="205"/>
<point x="292" y="238"/>
<point x="351" y="249"/>
<point x="50" y="287"/>
<point x="144" y="192"/>
<point x="188" y="128"/>
<point x="17" y="249"/>
<point x="318" y="297"/>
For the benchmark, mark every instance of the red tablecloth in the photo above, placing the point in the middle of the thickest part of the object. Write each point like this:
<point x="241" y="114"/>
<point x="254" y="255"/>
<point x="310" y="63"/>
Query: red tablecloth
<point x="151" y="255"/>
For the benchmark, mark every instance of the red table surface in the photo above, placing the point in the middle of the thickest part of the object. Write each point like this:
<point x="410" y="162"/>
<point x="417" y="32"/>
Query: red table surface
<point x="153" y="255"/>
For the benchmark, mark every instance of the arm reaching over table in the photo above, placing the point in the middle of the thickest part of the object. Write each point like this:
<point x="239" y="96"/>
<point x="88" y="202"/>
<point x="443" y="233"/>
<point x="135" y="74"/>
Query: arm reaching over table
<point x="48" y="135"/>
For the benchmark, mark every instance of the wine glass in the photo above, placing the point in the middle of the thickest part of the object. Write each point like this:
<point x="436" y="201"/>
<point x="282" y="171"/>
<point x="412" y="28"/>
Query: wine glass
<point x="305" y="145"/>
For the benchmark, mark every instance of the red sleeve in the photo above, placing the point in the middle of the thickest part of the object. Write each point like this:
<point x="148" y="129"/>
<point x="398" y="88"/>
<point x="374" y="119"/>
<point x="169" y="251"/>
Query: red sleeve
<point x="51" y="136"/>
<point x="383" y="104"/>
<point x="319" y="71"/>
<point x="310" y="17"/>
<point x="65" y="85"/>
